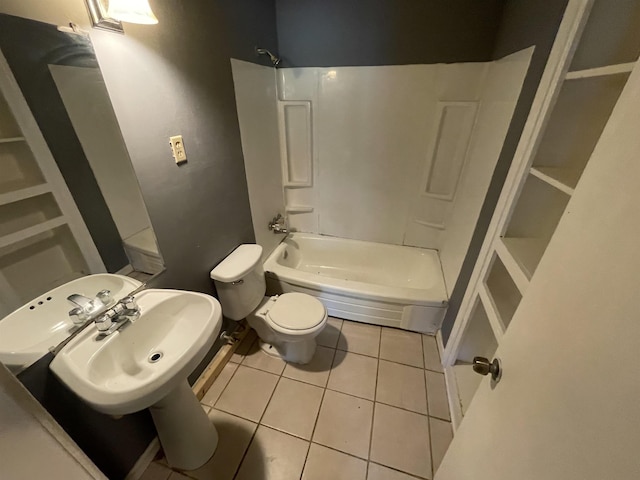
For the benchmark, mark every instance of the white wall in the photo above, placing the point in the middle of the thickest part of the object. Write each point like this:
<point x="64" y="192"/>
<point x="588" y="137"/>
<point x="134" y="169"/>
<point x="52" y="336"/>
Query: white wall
<point x="256" y="101"/>
<point x="500" y="93"/>
<point x="392" y="154"/>
<point x="85" y="97"/>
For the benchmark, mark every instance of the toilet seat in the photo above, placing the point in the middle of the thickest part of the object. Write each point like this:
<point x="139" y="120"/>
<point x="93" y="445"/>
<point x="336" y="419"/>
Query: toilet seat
<point x="296" y="314"/>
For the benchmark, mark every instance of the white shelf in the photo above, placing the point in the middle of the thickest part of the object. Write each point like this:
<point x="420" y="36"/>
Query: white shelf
<point x="525" y="252"/>
<point x="31" y="231"/>
<point x="298" y="209"/>
<point x="11" y="139"/>
<point x="601" y="71"/>
<point x="516" y="272"/>
<point x="24" y="193"/>
<point x="557" y="177"/>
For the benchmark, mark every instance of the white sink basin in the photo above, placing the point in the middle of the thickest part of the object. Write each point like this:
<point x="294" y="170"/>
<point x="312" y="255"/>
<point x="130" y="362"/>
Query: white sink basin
<point x="145" y="365"/>
<point x="116" y="375"/>
<point x="27" y="333"/>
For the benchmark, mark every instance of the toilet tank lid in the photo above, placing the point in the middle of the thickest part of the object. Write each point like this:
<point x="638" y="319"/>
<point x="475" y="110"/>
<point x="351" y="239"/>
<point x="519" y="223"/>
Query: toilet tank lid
<point x="239" y="262"/>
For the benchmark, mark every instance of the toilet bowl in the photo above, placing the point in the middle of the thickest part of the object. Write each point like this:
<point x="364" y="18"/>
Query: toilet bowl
<point x="287" y="324"/>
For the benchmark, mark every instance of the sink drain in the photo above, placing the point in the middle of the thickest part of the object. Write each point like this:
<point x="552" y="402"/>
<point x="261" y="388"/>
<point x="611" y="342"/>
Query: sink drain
<point x="154" y="357"/>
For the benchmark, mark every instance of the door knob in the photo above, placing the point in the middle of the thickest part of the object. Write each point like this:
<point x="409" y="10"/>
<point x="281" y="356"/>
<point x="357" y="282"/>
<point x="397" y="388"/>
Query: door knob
<point x="483" y="366"/>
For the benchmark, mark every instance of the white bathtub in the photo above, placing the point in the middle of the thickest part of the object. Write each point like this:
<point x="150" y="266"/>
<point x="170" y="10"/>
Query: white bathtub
<point x="368" y="282"/>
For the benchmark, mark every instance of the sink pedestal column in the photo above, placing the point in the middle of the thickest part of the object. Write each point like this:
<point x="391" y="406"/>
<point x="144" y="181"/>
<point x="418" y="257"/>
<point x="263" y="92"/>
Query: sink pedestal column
<point x="187" y="435"/>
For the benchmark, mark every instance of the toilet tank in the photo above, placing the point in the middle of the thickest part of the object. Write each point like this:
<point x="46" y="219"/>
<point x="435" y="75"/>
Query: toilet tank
<point x="240" y="282"/>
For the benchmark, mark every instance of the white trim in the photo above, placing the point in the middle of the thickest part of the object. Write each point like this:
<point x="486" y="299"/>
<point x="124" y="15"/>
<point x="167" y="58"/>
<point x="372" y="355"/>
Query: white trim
<point x="24" y="193"/>
<point x="38" y="145"/>
<point x="566" y="42"/>
<point x="601" y="71"/>
<point x="12" y="140"/>
<point x="453" y="397"/>
<point x="546" y="174"/>
<point x="31" y="231"/>
<point x="493" y="316"/>
<point x="144" y="461"/>
<point x="513" y="267"/>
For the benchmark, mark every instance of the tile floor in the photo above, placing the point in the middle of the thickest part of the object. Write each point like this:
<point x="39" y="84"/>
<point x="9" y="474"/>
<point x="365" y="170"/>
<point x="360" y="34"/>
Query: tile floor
<point x="371" y="405"/>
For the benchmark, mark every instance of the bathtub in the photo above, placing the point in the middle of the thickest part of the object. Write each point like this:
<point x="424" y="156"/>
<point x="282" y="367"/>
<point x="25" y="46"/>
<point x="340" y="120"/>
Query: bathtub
<point x="368" y="282"/>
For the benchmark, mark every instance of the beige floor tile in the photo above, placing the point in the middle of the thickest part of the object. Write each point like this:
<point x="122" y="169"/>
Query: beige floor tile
<point x="441" y="436"/>
<point x="331" y="333"/>
<point x="431" y="353"/>
<point x="256" y="358"/>
<point x="378" y="472"/>
<point x="354" y="374"/>
<point x="437" y="395"/>
<point x="324" y="464"/>
<point x="214" y="392"/>
<point x="400" y="440"/>
<point x="316" y="371"/>
<point x="293" y="408"/>
<point x="244" y="346"/>
<point x="344" y="423"/>
<point x="234" y="438"/>
<point x="360" y="338"/>
<point x="273" y="455"/>
<point x="401" y="386"/>
<point x="156" y="471"/>
<point x="248" y="393"/>
<point x="402" y="347"/>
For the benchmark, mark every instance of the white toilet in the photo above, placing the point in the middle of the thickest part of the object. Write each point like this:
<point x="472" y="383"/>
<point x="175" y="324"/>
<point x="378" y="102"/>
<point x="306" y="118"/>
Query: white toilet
<point x="287" y="324"/>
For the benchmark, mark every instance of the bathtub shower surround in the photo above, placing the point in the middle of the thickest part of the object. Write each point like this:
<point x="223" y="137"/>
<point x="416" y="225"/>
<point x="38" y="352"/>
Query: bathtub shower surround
<point x="390" y="285"/>
<point x="400" y="155"/>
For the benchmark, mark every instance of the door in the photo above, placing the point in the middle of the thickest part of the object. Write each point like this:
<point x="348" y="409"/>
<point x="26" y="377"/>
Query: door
<point x="568" y="404"/>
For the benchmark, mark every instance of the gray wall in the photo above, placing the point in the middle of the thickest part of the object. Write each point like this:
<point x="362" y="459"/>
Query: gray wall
<point x="313" y="33"/>
<point x="175" y="78"/>
<point x="524" y="23"/>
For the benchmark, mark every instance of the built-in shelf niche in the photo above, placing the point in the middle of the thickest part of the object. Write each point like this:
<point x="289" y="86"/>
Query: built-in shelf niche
<point x="41" y="262"/>
<point x="611" y="35"/>
<point x="478" y="340"/>
<point x="576" y="123"/>
<point x="534" y="219"/>
<point x="24" y="214"/>
<point x="18" y="166"/>
<point x="502" y="292"/>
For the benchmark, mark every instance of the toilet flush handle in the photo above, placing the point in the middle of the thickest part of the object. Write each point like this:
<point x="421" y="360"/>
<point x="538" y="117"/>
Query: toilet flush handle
<point x="238" y="282"/>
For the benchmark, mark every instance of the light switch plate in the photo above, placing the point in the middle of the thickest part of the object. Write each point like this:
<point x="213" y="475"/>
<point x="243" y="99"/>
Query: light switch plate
<point x="177" y="149"/>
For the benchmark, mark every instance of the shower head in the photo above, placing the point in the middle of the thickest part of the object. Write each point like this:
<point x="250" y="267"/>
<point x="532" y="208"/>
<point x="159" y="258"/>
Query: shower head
<point x="263" y="51"/>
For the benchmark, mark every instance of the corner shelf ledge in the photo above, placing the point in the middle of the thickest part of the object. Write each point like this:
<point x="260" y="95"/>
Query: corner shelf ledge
<point x="601" y="71"/>
<point x="32" y="231"/>
<point x="557" y="177"/>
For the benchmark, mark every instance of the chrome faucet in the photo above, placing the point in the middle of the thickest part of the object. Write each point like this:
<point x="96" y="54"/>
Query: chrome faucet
<point x="278" y="224"/>
<point x="87" y="308"/>
<point x="123" y="312"/>
<point x="126" y="310"/>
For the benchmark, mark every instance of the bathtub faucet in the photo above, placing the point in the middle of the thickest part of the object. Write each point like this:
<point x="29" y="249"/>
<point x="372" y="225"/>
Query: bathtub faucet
<point x="278" y="224"/>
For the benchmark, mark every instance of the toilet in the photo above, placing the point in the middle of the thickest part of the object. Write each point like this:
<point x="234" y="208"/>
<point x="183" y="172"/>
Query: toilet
<point x="287" y="324"/>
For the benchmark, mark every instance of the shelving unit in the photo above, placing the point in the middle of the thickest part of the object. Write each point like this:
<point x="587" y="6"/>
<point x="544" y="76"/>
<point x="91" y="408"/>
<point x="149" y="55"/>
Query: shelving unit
<point x="43" y="239"/>
<point x="596" y="50"/>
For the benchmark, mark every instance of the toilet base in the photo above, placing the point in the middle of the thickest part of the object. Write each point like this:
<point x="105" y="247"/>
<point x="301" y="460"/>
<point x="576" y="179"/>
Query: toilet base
<point x="293" y="352"/>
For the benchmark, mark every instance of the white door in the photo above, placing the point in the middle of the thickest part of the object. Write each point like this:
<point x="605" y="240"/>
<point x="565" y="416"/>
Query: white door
<point x="568" y="404"/>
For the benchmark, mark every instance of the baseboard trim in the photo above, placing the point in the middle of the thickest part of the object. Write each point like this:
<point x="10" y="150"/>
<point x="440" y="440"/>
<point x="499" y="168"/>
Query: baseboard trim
<point x="144" y="461"/>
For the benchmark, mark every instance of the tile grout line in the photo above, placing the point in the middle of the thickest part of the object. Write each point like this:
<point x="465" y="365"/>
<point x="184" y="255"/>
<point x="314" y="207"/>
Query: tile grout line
<point x="375" y="396"/>
<point x="424" y="378"/>
<point x="315" y="424"/>
<point x="259" y="422"/>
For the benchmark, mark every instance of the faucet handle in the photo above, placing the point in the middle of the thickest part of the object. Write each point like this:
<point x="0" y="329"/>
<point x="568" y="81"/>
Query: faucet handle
<point x="104" y="323"/>
<point x="105" y="297"/>
<point x="77" y="316"/>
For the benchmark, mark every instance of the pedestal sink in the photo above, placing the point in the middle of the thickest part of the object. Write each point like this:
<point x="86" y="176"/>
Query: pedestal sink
<point x="145" y="364"/>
